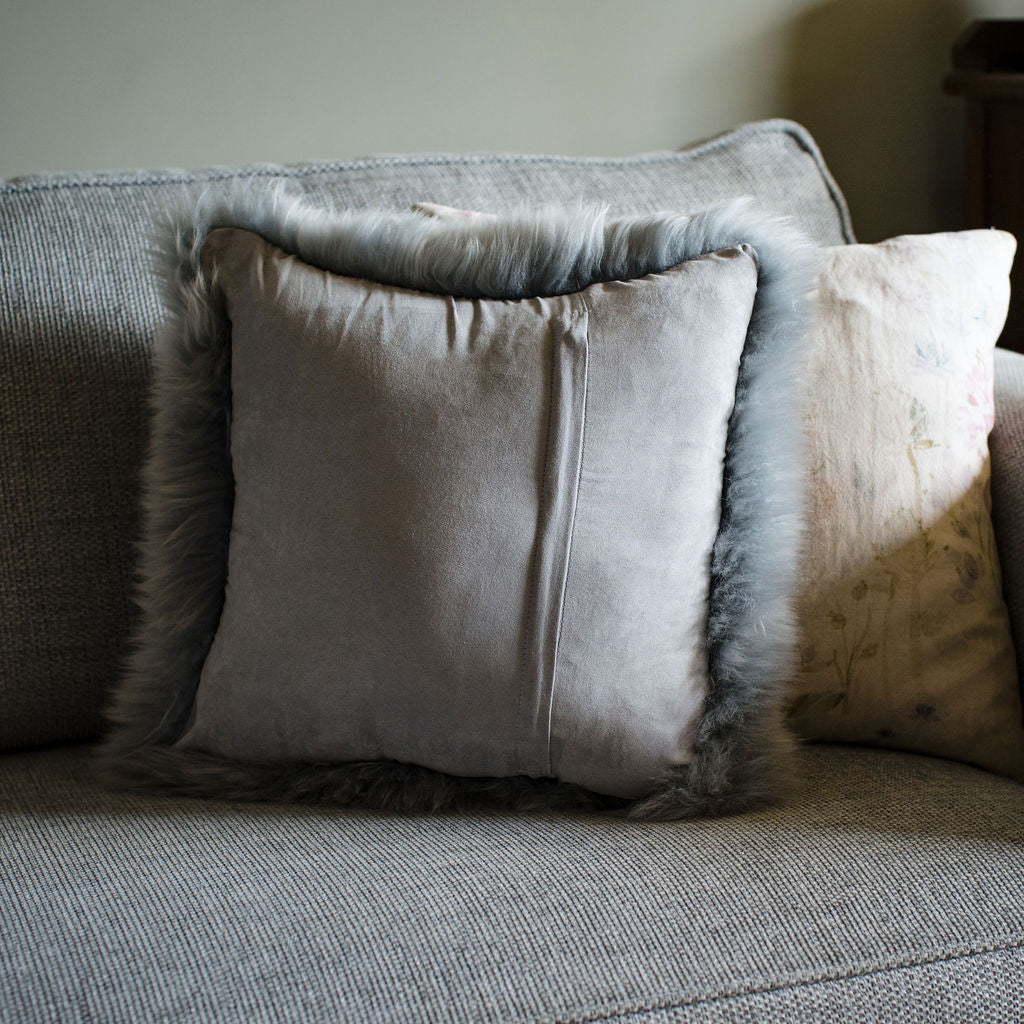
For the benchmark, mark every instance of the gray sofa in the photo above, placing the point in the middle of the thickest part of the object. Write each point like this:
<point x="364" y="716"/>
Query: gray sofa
<point x="889" y="888"/>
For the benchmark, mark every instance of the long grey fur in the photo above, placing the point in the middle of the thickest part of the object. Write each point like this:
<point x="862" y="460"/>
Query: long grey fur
<point x="741" y="753"/>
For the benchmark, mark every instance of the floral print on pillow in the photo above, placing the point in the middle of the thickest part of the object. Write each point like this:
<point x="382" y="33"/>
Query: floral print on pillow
<point x="905" y="637"/>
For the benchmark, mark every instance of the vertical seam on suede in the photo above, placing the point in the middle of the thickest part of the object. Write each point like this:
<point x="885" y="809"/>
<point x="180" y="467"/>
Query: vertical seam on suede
<point x="582" y="394"/>
<point x="556" y="517"/>
<point x="531" y="635"/>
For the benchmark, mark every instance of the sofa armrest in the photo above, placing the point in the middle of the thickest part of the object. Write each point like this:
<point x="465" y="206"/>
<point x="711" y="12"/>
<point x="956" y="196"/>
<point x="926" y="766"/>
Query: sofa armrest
<point x="1007" y="447"/>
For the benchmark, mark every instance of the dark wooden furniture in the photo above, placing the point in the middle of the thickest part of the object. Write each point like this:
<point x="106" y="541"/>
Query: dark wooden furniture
<point x="988" y="72"/>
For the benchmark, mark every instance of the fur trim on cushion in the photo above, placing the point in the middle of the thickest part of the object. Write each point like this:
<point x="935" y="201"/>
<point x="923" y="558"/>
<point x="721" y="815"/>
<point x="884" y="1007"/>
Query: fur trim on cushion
<point x="741" y="748"/>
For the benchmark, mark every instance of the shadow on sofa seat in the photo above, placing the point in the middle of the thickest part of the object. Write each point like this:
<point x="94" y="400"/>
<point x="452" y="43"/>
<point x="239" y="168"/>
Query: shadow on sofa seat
<point x="891" y="880"/>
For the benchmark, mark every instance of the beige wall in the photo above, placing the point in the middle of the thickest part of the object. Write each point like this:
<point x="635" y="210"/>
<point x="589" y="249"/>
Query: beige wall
<point x="125" y="83"/>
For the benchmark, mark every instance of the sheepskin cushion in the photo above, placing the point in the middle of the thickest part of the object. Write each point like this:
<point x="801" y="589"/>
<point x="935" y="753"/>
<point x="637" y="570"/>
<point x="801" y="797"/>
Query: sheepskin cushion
<point x="499" y="509"/>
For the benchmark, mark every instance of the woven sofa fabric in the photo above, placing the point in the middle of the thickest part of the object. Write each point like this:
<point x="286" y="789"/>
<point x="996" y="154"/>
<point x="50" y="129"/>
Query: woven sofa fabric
<point x="79" y="308"/>
<point x="1006" y="444"/>
<point x="892" y="883"/>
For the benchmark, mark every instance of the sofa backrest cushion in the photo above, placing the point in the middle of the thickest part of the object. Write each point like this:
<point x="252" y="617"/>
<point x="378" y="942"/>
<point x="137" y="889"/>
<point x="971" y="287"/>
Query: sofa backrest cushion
<point x="1007" y="446"/>
<point x="78" y="311"/>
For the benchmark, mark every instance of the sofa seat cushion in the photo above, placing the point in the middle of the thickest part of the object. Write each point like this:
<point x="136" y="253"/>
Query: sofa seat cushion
<point x="891" y="886"/>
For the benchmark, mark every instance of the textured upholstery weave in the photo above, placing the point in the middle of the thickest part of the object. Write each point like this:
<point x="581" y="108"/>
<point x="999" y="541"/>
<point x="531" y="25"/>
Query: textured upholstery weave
<point x="889" y="890"/>
<point x="77" y="312"/>
<point x="1007" y="446"/>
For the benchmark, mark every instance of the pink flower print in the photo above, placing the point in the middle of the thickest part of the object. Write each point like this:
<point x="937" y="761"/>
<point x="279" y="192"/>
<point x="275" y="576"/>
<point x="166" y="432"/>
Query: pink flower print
<point x="978" y="411"/>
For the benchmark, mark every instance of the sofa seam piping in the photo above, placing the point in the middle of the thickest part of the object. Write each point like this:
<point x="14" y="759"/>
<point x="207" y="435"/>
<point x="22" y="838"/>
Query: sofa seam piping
<point x="910" y="963"/>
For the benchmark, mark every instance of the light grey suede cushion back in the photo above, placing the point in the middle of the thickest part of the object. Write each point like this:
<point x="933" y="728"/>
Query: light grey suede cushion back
<point x="425" y="565"/>
<point x="514" y="499"/>
<point x="78" y="311"/>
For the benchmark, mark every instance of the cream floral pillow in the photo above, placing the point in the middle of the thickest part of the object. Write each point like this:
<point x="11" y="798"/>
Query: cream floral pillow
<point x="905" y="636"/>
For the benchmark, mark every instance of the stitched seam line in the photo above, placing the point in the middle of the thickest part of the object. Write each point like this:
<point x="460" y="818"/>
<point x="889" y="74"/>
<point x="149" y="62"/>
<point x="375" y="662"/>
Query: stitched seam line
<point x="532" y="637"/>
<point x="909" y="962"/>
<point x="572" y="523"/>
<point x="17" y="186"/>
